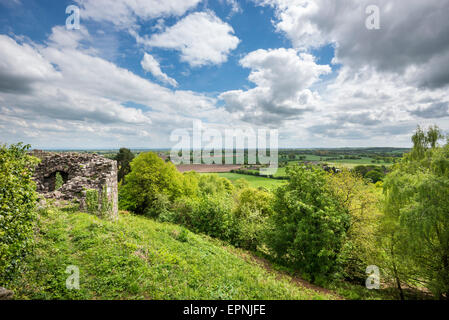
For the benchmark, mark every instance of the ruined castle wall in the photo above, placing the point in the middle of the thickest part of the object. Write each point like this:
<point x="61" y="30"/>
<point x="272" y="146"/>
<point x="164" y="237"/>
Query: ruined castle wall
<point x="81" y="173"/>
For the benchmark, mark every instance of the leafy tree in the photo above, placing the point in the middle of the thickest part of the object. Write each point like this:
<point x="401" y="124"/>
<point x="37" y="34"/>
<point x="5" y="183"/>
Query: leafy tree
<point x="309" y="224"/>
<point x="375" y="176"/>
<point x="416" y="214"/>
<point x="213" y="184"/>
<point x="123" y="158"/>
<point x="362" y="170"/>
<point x="241" y="184"/>
<point x="17" y="206"/>
<point x="252" y="209"/>
<point x="212" y="215"/>
<point x="362" y="202"/>
<point x="150" y="177"/>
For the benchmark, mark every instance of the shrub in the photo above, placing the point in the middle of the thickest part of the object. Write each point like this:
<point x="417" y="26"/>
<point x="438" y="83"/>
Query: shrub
<point x="253" y="208"/>
<point x="375" y="176"/>
<point x="150" y="177"/>
<point x="309" y="224"/>
<point x="17" y="205"/>
<point x="363" y="203"/>
<point x="161" y="206"/>
<point x="211" y="215"/>
<point x="59" y="182"/>
<point x="213" y="184"/>
<point x="416" y="215"/>
<point x="92" y="201"/>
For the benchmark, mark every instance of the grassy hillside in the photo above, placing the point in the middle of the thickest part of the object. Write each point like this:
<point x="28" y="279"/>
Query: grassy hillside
<point x="138" y="258"/>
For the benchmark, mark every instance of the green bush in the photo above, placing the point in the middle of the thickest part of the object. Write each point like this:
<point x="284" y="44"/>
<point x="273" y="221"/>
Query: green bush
<point x="415" y="227"/>
<point x="161" y="207"/>
<point x="253" y="208"/>
<point x="59" y="181"/>
<point x="212" y="215"/>
<point x="17" y="206"/>
<point x="213" y="184"/>
<point x="375" y="176"/>
<point x="150" y="177"/>
<point x="92" y="201"/>
<point x="309" y="224"/>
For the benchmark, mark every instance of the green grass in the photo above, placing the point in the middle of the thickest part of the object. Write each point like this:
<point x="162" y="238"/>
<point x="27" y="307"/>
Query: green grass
<point x="254" y="181"/>
<point x="138" y="258"/>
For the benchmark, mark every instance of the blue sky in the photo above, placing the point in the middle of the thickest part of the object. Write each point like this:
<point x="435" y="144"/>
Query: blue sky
<point x="135" y="73"/>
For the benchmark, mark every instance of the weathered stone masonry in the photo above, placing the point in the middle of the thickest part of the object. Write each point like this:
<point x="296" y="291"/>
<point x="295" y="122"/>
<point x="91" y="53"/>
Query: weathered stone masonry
<point x="81" y="172"/>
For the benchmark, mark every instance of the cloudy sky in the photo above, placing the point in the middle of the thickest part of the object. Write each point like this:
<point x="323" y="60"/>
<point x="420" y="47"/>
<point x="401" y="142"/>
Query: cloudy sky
<point x="137" y="70"/>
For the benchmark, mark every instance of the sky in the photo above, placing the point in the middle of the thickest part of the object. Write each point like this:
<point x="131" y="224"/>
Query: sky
<point x="324" y="73"/>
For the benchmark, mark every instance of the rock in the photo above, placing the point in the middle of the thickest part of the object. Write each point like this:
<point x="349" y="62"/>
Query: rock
<point x="79" y="172"/>
<point x="6" y="294"/>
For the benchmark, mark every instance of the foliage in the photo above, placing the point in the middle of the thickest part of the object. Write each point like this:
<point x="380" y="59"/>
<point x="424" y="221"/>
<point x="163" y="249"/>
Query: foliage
<point x="123" y="158"/>
<point x="416" y="207"/>
<point x="362" y="201"/>
<point x="59" y="181"/>
<point x="309" y="224"/>
<point x="160" y="207"/>
<point x="213" y="184"/>
<point x="98" y="203"/>
<point x="150" y="176"/>
<point x="251" y="212"/>
<point x="253" y="180"/>
<point x="219" y="210"/>
<point x="105" y="204"/>
<point x="211" y="215"/>
<point x="139" y="258"/>
<point x="375" y="176"/>
<point x="241" y="183"/>
<point x="92" y="201"/>
<point x="17" y="205"/>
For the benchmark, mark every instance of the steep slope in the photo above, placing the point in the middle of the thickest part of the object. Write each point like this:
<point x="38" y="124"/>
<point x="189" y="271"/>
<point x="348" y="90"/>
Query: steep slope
<point x="138" y="258"/>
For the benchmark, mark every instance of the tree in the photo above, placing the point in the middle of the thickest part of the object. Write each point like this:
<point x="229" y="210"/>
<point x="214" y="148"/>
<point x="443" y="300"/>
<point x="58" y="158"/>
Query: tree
<point x="362" y="201"/>
<point x="17" y="206"/>
<point x="150" y="176"/>
<point x="213" y="184"/>
<point x="309" y="224"/>
<point x="123" y="158"/>
<point x="416" y="210"/>
<point x="251" y="212"/>
<point x="375" y="176"/>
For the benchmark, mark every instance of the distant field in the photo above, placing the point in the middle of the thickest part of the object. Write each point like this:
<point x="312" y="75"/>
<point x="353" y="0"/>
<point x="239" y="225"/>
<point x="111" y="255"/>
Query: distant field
<point x="254" y="181"/>
<point x="363" y="161"/>
<point x="204" y="168"/>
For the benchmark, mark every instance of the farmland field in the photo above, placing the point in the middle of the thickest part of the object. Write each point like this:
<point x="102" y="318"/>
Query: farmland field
<point x="254" y="181"/>
<point x="204" y="168"/>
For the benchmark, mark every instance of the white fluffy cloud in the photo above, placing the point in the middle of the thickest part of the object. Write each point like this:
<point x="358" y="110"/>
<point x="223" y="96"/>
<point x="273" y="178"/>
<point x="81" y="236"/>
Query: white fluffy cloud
<point x="282" y="79"/>
<point x="413" y="37"/>
<point x="21" y="66"/>
<point x="201" y="37"/>
<point x="56" y="95"/>
<point x="124" y="13"/>
<point x="151" y="65"/>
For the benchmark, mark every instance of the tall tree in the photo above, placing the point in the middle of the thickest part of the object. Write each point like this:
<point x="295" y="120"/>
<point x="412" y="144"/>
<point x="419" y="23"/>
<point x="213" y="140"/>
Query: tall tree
<point x="149" y="178"/>
<point x="123" y="158"/>
<point x="416" y="211"/>
<point x="309" y="223"/>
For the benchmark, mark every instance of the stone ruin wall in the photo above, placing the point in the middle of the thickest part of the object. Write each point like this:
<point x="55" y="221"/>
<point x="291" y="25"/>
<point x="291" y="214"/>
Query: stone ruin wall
<point x="80" y="172"/>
